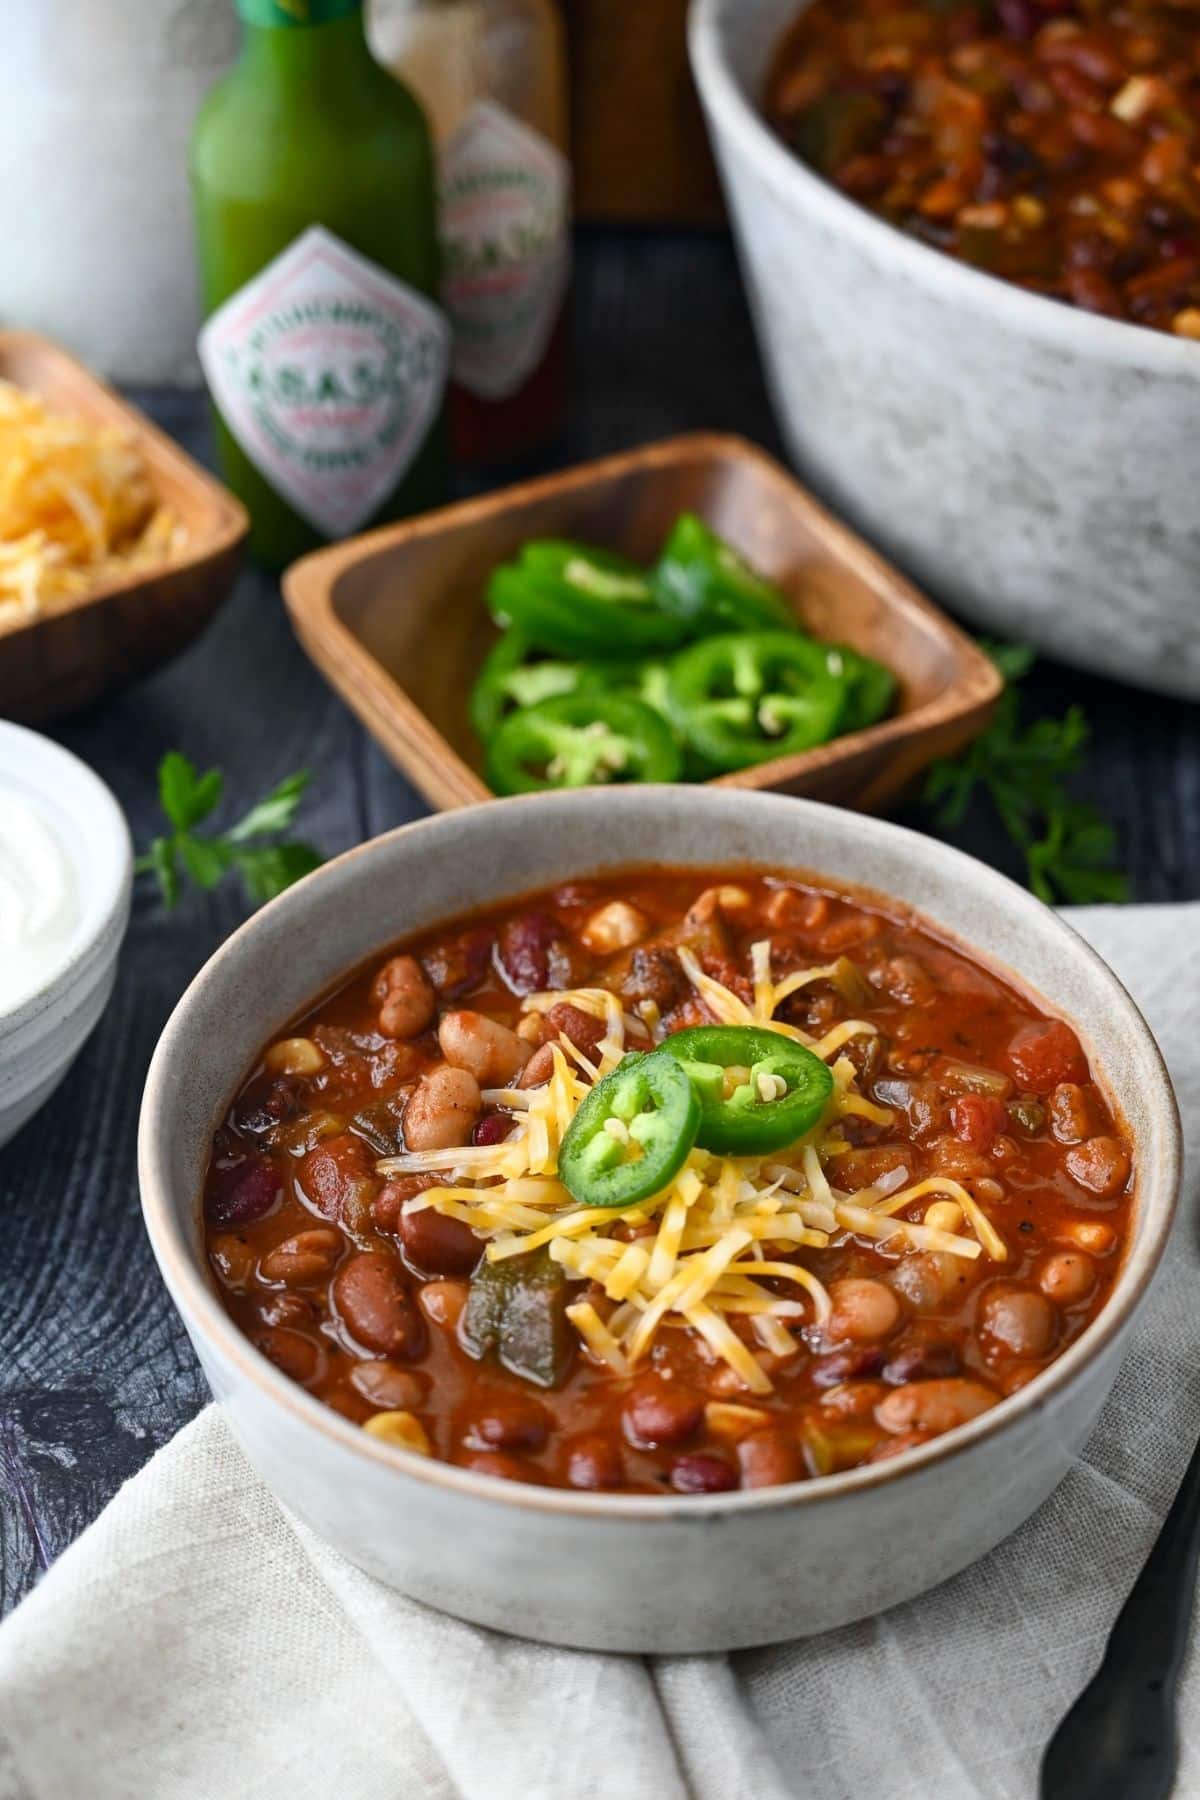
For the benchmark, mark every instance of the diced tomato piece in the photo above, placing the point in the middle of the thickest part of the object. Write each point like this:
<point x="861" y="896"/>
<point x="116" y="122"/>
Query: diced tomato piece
<point x="1045" y="1052"/>
<point x="978" y="1119"/>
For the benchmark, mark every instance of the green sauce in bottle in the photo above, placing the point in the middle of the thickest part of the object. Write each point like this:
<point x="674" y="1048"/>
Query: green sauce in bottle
<point x="325" y="351"/>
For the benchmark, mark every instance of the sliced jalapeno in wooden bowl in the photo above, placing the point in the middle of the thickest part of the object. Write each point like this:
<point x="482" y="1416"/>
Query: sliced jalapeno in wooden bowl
<point x="703" y="582"/>
<point x="746" y="696"/>
<point x="580" y="739"/>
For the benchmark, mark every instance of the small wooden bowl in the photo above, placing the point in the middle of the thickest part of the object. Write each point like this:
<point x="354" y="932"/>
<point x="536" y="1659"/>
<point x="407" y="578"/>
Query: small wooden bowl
<point x="396" y="622"/>
<point x="120" y="629"/>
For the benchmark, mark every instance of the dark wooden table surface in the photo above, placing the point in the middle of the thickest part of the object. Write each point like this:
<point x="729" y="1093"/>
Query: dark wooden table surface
<point x="95" y="1369"/>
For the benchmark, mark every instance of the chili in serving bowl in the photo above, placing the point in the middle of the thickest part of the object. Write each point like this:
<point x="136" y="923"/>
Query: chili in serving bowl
<point x="651" y="1564"/>
<point x="1054" y="143"/>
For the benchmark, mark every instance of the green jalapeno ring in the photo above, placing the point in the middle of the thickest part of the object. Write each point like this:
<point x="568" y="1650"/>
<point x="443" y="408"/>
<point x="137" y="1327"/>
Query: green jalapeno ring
<point x="580" y="739"/>
<point x="576" y="603"/>
<point x="632" y="1134"/>
<point x="745" y="1123"/>
<point x="744" y="697"/>
<point x="702" y="581"/>
<point x="870" y="687"/>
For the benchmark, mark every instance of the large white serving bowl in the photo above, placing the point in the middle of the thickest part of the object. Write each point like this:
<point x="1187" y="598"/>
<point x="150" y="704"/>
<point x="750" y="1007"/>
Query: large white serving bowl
<point x="639" y="1573"/>
<point x="41" y="1036"/>
<point x="1034" y="465"/>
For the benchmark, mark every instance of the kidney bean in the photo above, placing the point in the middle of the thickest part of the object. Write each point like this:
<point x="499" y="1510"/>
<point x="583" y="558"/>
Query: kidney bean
<point x="531" y="953"/>
<point x="493" y="1128"/>
<point x="846" y="1365"/>
<point x="492" y="1053"/>
<point x="443" y="1110"/>
<point x="1044" y="1053"/>
<point x="405" y="998"/>
<point x="443" y="1302"/>
<point x="304" y="1258"/>
<point x="1100" y="1164"/>
<point x="283" y="1306"/>
<point x="297" y="1357"/>
<point x="338" y="1180"/>
<point x="539" y="1068"/>
<point x="1020" y="19"/>
<point x="388" y="1387"/>
<point x="507" y="1468"/>
<point x="243" y="1194"/>
<point x="583" y="1030"/>
<point x="1016" y="1321"/>
<point x="658" y="1412"/>
<point x="375" y="1303"/>
<point x="699" y="1472"/>
<point x="594" y="1461"/>
<point x="458" y="964"/>
<point x="1067" y="1277"/>
<point x="437" y="1245"/>
<point x="934" y="1406"/>
<point x="655" y="974"/>
<point x="864" y="1311"/>
<point x="923" y="1359"/>
<point x="507" y="1422"/>
<point x="768" y="1458"/>
<point x="388" y="1205"/>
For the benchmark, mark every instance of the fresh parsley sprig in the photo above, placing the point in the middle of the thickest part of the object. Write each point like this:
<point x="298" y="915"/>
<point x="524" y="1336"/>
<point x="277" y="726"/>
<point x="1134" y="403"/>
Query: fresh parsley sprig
<point x="188" y="798"/>
<point x="1025" y="771"/>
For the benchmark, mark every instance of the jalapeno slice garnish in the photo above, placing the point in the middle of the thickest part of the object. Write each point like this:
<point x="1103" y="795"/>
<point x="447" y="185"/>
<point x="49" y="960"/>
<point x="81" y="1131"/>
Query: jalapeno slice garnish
<point x="870" y="688"/>
<point x="747" y="696"/>
<point x="580" y="740"/>
<point x="630" y="1137"/>
<point x="759" y="1091"/>
<point x="577" y="602"/>
<point x="705" y="583"/>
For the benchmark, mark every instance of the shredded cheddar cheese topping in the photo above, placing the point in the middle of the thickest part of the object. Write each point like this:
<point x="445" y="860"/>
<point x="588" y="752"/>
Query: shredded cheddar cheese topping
<point x="76" y="506"/>
<point x="718" y="1243"/>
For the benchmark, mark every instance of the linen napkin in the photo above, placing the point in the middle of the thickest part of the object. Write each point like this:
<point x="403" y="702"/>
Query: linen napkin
<point x="197" y="1643"/>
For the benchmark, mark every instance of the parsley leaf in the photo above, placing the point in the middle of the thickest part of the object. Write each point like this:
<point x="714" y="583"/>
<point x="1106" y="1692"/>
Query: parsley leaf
<point x="188" y="798"/>
<point x="1026" y="771"/>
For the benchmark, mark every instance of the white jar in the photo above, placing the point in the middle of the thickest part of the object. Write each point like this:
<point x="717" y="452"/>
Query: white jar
<point x="95" y="216"/>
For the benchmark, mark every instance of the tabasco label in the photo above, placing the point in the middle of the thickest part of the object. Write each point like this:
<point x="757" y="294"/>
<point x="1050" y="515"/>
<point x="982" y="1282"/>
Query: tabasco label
<point x="504" y="209"/>
<point x="329" y="373"/>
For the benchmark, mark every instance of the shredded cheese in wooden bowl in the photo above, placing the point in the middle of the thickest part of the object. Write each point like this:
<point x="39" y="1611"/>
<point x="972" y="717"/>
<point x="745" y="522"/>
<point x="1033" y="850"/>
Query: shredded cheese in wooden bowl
<point x="76" y="507"/>
<point x="707" y="1247"/>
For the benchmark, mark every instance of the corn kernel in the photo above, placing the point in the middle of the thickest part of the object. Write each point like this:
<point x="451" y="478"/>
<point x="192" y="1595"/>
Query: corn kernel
<point x="1187" y="323"/>
<point x="403" y="1428"/>
<point x="295" y="1056"/>
<point x="1029" y="211"/>
<point x="724" y="1419"/>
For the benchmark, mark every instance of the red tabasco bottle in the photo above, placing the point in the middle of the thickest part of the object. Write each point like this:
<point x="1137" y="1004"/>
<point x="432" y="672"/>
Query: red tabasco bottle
<point x="491" y="75"/>
<point x="326" y="349"/>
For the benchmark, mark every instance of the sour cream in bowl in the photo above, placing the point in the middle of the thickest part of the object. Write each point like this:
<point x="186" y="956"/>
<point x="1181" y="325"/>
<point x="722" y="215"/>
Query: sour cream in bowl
<point x="65" y="877"/>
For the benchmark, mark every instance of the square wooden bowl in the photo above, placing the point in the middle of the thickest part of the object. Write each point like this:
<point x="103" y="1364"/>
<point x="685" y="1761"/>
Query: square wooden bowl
<point x="396" y="621"/>
<point x="120" y="629"/>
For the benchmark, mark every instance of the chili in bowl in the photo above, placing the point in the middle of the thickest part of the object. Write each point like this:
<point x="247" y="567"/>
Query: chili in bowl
<point x="665" y="1219"/>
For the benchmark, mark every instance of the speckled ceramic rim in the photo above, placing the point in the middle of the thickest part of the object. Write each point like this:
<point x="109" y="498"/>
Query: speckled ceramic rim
<point x="104" y="893"/>
<point x="734" y="111"/>
<point x="202" y="1310"/>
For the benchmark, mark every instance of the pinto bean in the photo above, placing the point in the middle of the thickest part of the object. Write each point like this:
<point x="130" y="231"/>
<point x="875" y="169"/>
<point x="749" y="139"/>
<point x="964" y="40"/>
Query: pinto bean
<point x="390" y="1388"/>
<point x="853" y="1399"/>
<point x="583" y="1029"/>
<point x="539" y="1068"/>
<point x="864" y="1311"/>
<point x="233" y="1260"/>
<point x="442" y="1111"/>
<point x="1017" y="1321"/>
<point x="507" y="1422"/>
<point x="302" y="1259"/>
<point x="930" y="1278"/>
<point x="769" y="1458"/>
<point x="658" y="1412"/>
<point x="1071" y="1113"/>
<point x="934" y="1406"/>
<point x="405" y="999"/>
<point x="859" y="1364"/>
<point x="507" y="1468"/>
<point x="375" y="1304"/>
<point x="444" y="1302"/>
<point x="1100" y="1164"/>
<point x="594" y="1461"/>
<point x="1067" y="1277"/>
<point x="437" y="1245"/>
<point x="488" y="1050"/>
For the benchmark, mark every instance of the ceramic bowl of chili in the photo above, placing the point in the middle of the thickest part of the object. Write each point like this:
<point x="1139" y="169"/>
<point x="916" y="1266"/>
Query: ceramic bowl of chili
<point x="662" y="1570"/>
<point x="1033" y="463"/>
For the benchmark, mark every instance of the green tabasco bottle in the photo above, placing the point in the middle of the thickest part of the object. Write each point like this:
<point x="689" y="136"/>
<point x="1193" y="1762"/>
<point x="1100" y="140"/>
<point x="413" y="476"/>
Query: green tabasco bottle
<point x="326" y="357"/>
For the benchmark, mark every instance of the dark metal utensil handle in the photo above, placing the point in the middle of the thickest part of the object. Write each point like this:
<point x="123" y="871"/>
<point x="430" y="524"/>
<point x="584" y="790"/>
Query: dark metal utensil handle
<point x="1119" y="1741"/>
